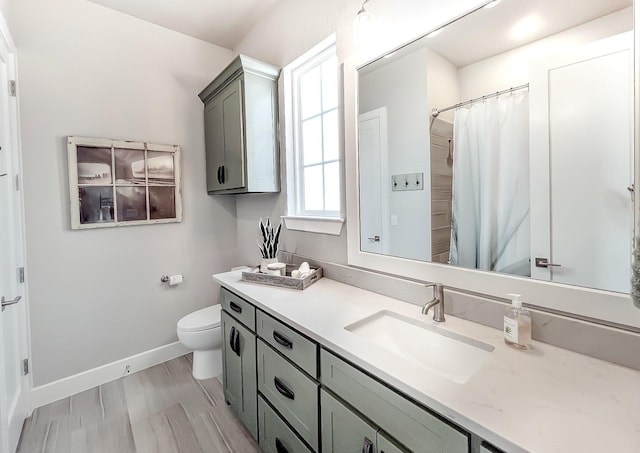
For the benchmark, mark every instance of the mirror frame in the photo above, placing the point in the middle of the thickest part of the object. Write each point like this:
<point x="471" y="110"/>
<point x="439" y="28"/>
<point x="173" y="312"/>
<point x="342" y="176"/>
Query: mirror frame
<point x="599" y="306"/>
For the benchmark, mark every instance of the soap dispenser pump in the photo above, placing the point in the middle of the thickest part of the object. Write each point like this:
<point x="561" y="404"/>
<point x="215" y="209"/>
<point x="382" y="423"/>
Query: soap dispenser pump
<point x="517" y="324"/>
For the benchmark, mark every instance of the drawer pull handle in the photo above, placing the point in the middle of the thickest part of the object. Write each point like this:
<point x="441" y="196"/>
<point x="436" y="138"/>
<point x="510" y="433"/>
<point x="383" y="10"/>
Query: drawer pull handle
<point x="232" y="334"/>
<point x="367" y="446"/>
<point x="236" y="343"/>
<point x="235" y="307"/>
<point x="283" y="389"/>
<point x="282" y="340"/>
<point x="279" y="447"/>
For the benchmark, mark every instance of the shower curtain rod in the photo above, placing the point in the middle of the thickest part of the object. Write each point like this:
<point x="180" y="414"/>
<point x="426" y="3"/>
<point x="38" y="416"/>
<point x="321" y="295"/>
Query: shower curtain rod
<point x="435" y="112"/>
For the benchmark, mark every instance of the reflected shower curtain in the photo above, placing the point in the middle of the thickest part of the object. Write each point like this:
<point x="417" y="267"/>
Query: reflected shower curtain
<point x="490" y="210"/>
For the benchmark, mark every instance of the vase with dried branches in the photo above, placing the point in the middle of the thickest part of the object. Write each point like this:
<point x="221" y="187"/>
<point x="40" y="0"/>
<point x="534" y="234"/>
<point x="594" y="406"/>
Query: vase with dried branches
<point x="268" y="243"/>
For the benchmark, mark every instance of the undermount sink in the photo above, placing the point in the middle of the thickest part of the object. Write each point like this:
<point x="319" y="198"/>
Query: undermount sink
<point x="449" y="354"/>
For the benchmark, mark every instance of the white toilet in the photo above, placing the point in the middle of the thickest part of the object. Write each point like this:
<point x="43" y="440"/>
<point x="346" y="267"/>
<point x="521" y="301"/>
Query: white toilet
<point x="201" y="332"/>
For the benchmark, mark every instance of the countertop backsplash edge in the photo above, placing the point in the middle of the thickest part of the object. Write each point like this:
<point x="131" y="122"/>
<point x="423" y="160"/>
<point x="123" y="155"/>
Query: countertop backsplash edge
<point x="607" y="343"/>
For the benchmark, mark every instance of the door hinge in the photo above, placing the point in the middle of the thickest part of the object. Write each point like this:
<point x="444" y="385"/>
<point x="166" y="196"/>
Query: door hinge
<point x="17" y="183"/>
<point x="12" y="87"/>
<point x="25" y="367"/>
<point x="21" y="275"/>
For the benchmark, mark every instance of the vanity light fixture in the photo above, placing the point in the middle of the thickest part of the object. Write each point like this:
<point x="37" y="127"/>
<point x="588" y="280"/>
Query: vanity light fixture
<point x="363" y="17"/>
<point x="362" y="24"/>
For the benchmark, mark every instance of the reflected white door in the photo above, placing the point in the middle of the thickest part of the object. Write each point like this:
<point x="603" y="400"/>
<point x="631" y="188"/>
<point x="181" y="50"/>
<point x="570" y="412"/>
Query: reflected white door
<point x="13" y="340"/>
<point x="374" y="181"/>
<point x="582" y="164"/>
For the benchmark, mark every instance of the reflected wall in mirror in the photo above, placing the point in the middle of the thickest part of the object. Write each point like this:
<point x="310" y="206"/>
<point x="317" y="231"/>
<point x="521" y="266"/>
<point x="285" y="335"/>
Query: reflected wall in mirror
<point x="504" y="142"/>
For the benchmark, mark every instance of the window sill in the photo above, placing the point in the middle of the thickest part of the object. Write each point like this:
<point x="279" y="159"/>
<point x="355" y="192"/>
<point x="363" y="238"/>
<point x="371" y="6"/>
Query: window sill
<point x="324" y="225"/>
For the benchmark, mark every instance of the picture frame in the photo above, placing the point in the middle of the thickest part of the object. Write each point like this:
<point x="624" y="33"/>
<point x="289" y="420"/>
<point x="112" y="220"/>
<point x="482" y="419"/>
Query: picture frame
<point x="116" y="183"/>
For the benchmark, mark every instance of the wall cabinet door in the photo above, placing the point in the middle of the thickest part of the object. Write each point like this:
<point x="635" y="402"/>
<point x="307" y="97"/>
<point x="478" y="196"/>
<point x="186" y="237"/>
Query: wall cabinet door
<point x="342" y="430"/>
<point x="223" y="118"/>
<point x="239" y="373"/>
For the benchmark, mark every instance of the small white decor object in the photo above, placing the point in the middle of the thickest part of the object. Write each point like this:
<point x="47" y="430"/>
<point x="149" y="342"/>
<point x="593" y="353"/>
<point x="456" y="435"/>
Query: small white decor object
<point x="277" y="269"/>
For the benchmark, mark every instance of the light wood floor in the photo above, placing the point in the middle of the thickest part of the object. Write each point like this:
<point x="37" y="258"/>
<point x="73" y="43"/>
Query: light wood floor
<point x="161" y="409"/>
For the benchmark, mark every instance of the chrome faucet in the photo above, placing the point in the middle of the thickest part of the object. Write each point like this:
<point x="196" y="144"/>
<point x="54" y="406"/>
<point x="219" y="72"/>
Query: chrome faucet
<point x="437" y="302"/>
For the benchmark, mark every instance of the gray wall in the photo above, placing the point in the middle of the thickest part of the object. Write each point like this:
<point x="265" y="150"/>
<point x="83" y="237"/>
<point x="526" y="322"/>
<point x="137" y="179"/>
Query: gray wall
<point x="95" y="295"/>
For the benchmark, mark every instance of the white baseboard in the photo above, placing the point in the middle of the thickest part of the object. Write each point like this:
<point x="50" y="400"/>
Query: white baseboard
<point x="53" y="391"/>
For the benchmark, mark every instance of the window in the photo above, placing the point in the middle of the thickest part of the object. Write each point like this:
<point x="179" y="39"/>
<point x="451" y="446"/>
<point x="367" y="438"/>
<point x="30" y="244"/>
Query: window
<point x="315" y="189"/>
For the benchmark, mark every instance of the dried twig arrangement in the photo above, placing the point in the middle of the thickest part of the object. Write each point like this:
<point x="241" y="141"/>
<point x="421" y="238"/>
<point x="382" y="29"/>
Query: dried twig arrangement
<point x="270" y="238"/>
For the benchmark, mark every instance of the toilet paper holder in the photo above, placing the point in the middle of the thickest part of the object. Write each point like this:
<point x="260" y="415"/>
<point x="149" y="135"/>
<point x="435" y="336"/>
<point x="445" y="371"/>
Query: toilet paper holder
<point x="167" y="279"/>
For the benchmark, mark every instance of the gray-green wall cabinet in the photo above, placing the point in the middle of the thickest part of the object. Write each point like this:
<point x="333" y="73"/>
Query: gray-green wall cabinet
<point x="241" y="125"/>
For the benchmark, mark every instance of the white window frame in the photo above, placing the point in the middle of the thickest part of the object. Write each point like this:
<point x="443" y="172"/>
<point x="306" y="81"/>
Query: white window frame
<point x="328" y="222"/>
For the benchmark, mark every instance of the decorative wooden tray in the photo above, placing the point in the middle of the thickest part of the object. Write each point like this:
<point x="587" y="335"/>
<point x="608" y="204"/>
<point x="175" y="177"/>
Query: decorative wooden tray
<point x="284" y="281"/>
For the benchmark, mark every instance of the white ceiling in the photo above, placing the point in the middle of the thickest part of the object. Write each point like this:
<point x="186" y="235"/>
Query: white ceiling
<point x="220" y="22"/>
<point x="488" y="32"/>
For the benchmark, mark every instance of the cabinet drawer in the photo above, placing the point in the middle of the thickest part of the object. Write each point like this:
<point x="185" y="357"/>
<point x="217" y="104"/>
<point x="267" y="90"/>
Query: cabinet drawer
<point x="239" y="308"/>
<point x="413" y="426"/>
<point x="290" y="391"/>
<point x="297" y="348"/>
<point x="275" y="435"/>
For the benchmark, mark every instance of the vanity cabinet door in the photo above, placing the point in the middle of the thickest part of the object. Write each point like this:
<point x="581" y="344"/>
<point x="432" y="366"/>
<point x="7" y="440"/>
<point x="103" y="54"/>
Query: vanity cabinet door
<point x="239" y="371"/>
<point x="343" y="431"/>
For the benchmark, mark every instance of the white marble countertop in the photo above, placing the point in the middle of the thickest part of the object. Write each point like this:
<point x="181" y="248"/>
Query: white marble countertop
<point x="545" y="400"/>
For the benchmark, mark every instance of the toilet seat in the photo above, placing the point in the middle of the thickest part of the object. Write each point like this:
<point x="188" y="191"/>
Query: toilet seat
<point x="203" y="319"/>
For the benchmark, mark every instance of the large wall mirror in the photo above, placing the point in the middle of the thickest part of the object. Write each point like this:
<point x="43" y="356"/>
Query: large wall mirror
<point x="503" y="142"/>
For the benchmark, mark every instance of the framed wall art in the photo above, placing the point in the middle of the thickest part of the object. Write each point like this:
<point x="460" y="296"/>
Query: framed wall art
<point x="117" y="183"/>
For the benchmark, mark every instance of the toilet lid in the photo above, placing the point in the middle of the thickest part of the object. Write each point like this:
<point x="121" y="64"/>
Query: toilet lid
<point x="206" y="318"/>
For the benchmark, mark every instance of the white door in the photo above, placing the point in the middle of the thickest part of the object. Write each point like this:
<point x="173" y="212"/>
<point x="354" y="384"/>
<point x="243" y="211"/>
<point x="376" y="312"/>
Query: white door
<point x="13" y="318"/>
<point x="582" y="164"/>
<point x="374" y="181"/>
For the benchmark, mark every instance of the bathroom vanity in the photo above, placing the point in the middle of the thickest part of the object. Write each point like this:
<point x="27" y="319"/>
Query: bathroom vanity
<point x="334" y="373"/>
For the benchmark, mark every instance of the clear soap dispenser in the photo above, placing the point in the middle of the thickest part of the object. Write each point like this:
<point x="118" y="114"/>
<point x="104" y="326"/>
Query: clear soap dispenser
<point x="517" y="324"/>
